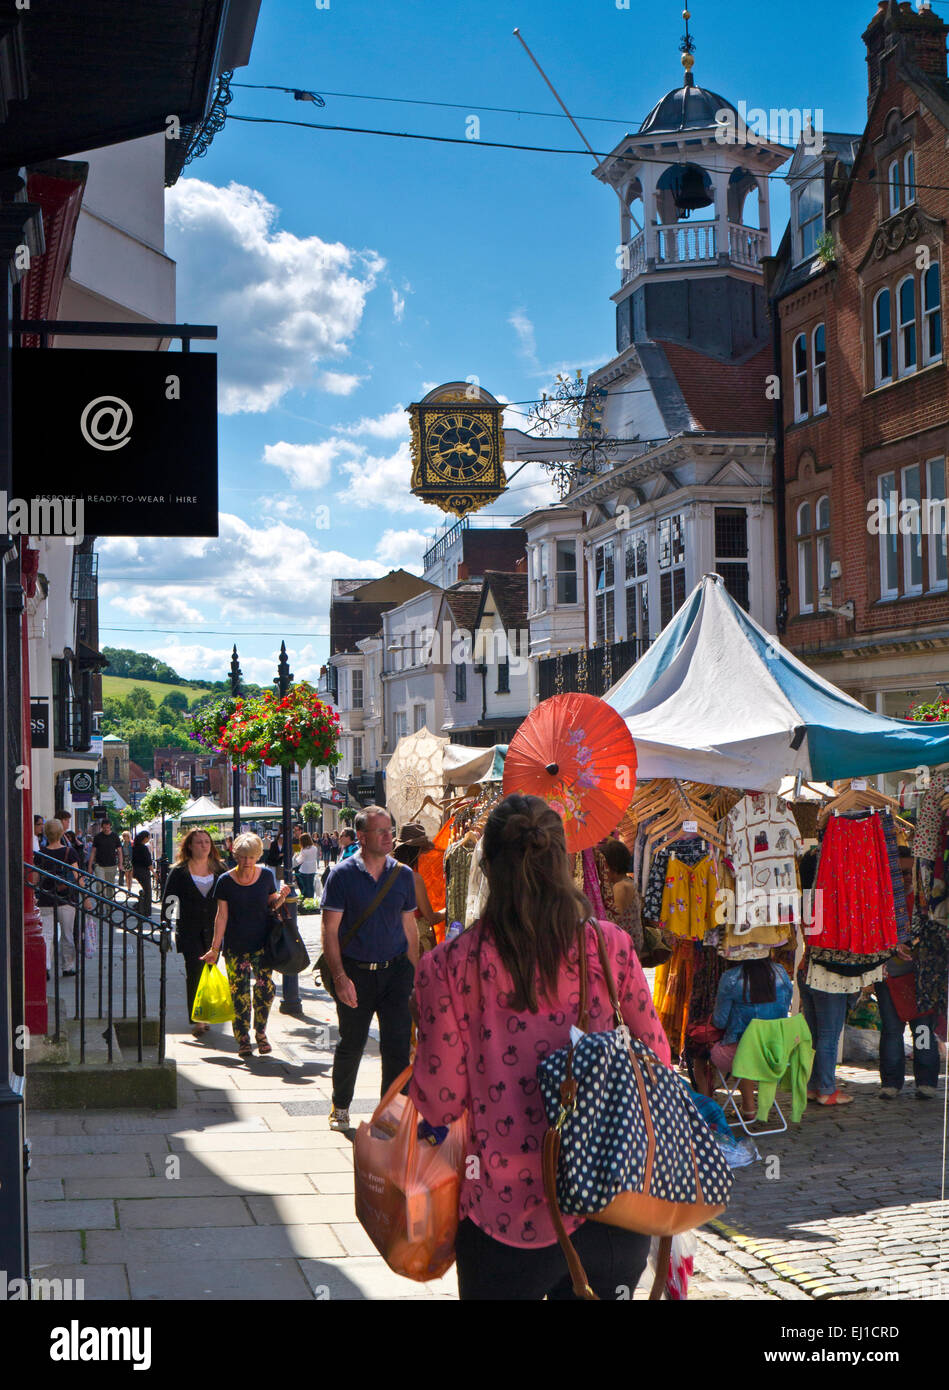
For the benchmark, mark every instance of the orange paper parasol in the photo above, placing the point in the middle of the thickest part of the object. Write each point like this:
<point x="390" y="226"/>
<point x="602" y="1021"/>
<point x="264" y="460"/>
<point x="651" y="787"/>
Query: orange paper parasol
<point x="576" y="753"/>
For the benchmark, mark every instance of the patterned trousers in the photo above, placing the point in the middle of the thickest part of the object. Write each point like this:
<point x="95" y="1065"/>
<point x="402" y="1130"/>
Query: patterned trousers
<point x="239" y="971"/>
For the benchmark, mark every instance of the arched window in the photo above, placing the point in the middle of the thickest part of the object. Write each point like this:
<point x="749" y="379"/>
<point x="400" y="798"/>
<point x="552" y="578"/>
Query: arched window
<point x="932" y="315"/>
<point x="882" y="339"/>
<point x="906" y="302"/>
<point x="909" y="179"/>
<point x="822" y="529"/>
<point x="799" y="355"/>
<point x="893" y="179"/>
<point x="805" y="559"/>
<point x="820" y="369"/>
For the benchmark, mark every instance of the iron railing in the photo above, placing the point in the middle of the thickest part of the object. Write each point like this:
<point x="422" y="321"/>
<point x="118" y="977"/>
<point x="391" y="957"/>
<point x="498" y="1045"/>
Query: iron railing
<point x="590" y="671"/>
<point x="121" y="934"/>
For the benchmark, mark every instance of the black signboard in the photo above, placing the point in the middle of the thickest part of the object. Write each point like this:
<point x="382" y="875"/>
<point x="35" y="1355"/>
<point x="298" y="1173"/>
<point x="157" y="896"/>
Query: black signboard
<point x="82" y="784"/>
<point x="133" y="434"/>
<point x="39" y="723"/>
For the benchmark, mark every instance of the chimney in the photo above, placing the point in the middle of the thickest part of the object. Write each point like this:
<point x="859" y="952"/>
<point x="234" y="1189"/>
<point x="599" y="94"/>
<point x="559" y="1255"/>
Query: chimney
<point x="918" y="37"/>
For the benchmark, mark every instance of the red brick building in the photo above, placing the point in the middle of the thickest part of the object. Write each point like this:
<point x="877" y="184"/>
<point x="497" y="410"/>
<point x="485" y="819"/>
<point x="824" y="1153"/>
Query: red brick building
<point x="864" y="413"/>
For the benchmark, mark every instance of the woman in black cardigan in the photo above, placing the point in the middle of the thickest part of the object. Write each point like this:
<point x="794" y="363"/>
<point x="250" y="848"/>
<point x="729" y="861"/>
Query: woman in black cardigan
<point x="189" y="906"/>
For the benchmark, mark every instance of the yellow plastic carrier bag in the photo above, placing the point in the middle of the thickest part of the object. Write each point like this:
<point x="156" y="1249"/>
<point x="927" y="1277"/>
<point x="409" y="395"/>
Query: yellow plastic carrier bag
<point x="212" y="1000"/>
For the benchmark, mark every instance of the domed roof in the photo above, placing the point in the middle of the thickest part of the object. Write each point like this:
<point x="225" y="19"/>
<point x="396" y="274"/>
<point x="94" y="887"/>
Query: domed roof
<point x="685" y="108"/>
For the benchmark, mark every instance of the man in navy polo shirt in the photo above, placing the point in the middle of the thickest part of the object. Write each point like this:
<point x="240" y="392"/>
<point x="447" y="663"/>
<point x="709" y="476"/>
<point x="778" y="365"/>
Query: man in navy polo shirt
<point x="376" y="974"/>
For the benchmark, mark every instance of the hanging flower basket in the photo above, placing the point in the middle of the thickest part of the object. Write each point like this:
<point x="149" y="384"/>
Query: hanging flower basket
<point x="206" y="722"/>
<point x="935" y="712"/>
<point x="274" y="732"/>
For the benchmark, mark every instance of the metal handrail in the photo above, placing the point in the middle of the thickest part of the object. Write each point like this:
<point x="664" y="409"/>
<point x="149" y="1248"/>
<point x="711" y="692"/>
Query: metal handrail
<point x="98" y="906"/>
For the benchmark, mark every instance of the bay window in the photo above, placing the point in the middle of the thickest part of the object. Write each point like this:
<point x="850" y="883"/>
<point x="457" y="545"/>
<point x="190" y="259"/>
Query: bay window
<point x="671" y="568"/>
<point x="635" y="550"/>
<point x="605" y="597"/>
<point x="566" y="572"/>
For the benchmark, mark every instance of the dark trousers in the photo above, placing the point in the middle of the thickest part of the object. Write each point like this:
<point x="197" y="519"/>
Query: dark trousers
<point x="143" y="877"/>
<point x="488" y="1270"/>
<point x="306" y="882"/>
<point x="193" y="969"/>
<point x="385" y="994"/>
<point x="892" y="1055"/>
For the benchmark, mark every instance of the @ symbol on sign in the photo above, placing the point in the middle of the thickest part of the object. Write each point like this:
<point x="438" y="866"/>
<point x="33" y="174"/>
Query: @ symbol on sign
<point x="107" y="423"/>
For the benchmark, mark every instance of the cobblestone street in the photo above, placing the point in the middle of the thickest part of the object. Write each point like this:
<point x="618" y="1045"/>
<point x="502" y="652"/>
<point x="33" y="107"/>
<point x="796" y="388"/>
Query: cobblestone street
<point x="244" y="1189"/>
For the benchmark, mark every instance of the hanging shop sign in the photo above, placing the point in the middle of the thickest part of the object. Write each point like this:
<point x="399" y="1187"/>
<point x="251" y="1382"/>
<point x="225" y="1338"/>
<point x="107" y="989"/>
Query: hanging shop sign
<point x="82" y="784"/>
<point x="39" y="723"/>
<point x="458" y="448"/>
<point x="132" y="435"/>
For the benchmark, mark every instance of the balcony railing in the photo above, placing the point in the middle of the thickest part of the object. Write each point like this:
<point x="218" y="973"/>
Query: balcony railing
<point x="590" y="671"/>
<point x="693" y="243"/>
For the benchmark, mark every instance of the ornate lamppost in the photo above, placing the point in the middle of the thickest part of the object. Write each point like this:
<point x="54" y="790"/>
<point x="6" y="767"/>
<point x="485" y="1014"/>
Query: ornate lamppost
<point x="290" y="983"/>
<point x="235" y="771"/>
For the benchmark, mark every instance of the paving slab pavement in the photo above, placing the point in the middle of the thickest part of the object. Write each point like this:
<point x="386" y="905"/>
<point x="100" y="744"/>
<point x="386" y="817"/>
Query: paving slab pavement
<point x="244" y="1188"/>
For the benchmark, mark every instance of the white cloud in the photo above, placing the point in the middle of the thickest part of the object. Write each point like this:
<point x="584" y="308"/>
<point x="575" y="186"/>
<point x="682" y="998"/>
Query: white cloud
<point x="340" y="383"/>
<point x="525" y="335"/>
<point x="398" y="306"/>
<point x="195" y="661"/>
<point x="392" y="425"/>
<point x="154" y="608"/>
<point x="307" y="466"/>
<point x="403" y="549"/>
<point x="383" y="482"/>
<point x="275" y="570"/>
<point x="283" y="303"/>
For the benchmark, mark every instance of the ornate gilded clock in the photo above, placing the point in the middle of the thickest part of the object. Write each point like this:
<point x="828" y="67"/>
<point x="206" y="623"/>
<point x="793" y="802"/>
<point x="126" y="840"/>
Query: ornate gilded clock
<point x="457" y="448"/>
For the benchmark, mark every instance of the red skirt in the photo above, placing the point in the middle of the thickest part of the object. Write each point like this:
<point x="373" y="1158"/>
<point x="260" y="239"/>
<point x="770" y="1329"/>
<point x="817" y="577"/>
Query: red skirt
<point x="854" y="888"/>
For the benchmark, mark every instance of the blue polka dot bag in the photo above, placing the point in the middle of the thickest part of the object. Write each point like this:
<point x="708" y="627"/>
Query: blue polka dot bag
<point x="625" y="1146"/>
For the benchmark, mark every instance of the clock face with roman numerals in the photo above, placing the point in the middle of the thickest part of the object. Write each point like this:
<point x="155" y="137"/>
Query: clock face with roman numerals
<point x="459" y="447"/>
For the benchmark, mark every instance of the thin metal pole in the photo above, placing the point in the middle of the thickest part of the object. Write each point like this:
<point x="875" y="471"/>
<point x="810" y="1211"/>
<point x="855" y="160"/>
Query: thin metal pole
<point x="81" y="984"/>
<point x="290" y="988"/>
<point x="235" y="770"/>
<point x="109" y="1027"/>
<point x="164" y="945"/>
<point x="140" y="972"/>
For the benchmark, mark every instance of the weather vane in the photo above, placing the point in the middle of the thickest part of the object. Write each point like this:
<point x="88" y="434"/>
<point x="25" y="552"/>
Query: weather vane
<point x="687" y="48"/>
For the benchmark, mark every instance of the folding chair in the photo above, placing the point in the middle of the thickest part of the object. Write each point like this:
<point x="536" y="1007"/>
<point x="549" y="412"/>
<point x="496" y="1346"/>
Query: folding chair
<point x="733" y="1099"/>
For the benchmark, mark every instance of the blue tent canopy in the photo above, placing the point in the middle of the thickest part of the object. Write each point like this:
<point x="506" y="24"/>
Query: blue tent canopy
<point x="717" y="699"/>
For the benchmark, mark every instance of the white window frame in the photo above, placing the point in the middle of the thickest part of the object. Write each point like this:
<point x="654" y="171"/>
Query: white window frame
<point x="879" y="335"/>
<point x="889" y="535"/>
<point x="805" y="562"/>
<point x="800" y="379"/>
<point x="912" y="540"/>
<point x="822" y="545"/>
<point x="935" y="473"/>
<point x="893" y="185"/>
<point x="357" y="698"/>
<point x="909" y="179"/>
<point x="906" y="327"/>
<point x="357" y="754"/>
<point x="418" y="709"/>
<point x="401" y="724"/>
<point x="930" y="314"/>
<point x="815" y="184"/>
<point x="609" y="630"/>
<point x="818" y="373"/>
<point x="567" y="571"/>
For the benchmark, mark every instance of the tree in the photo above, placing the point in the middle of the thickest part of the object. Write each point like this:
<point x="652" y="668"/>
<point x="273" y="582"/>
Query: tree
<point x="139" y="702"/>
<point x="132" y="816"/>
<point x="176" y="700"/>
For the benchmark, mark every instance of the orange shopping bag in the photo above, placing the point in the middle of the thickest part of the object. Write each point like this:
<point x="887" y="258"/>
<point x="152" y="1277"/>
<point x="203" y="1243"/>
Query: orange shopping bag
<point x="407" y="1190"/>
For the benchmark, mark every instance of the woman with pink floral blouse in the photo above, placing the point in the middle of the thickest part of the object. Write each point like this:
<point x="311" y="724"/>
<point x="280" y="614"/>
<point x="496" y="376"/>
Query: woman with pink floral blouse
<point x="492" y="1003"/>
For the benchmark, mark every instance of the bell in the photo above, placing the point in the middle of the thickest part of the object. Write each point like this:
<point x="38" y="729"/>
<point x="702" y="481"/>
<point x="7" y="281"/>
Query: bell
<point x="689" y="190"/>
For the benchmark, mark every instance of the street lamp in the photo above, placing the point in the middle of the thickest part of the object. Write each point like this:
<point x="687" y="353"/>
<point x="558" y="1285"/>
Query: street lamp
<point x="163" y="860"/>
<point x="235" y="772"/>
<point x="291" y="983"/>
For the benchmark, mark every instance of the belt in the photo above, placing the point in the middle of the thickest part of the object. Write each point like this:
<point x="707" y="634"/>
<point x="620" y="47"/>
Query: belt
<point x="372" y="964"/>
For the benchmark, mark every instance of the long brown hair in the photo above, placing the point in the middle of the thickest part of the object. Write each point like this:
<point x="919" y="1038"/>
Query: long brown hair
<point x="533" y="908"/>
<point x="184" y="849"/>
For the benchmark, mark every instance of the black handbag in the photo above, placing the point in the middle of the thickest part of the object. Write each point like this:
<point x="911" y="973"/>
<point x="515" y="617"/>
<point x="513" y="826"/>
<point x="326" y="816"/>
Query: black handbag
<point x="284" y="950"/>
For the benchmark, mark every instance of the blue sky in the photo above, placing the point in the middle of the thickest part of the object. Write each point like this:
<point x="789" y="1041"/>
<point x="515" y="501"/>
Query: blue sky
<point x="349" y="273"/>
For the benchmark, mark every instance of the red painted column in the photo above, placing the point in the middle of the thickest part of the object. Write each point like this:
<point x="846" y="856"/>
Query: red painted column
<point x="34" y="947"/>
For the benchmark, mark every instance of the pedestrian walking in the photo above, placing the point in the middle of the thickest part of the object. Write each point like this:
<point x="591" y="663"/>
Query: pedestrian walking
<point x="491" y="1002"/>
<point x="228" y="853"/>
<point x="54" y="898"/>
<point x="274" y="856"/>
<point x="899" y="987"/>
<point x="244" y="898"/>
<point x="189" y="907"/>
<point x="106" y="860"/>
<point x="140" y="869"/>
<point x="370" y="940"/>
<point x="334" y="846"/>
<point x="305" y="864"/>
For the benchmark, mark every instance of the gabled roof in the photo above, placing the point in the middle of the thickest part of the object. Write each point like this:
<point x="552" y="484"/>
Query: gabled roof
<point x="723" y="396"/>
<point x="464" y="601"/>
<point x="510" y="596"/>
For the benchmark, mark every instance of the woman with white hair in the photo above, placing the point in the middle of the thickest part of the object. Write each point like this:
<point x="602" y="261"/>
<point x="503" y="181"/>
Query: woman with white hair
<point x="244" y="897"/>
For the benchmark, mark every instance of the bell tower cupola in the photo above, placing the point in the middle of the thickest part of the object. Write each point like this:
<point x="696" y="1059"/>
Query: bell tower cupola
<point x="692" y="185"/>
